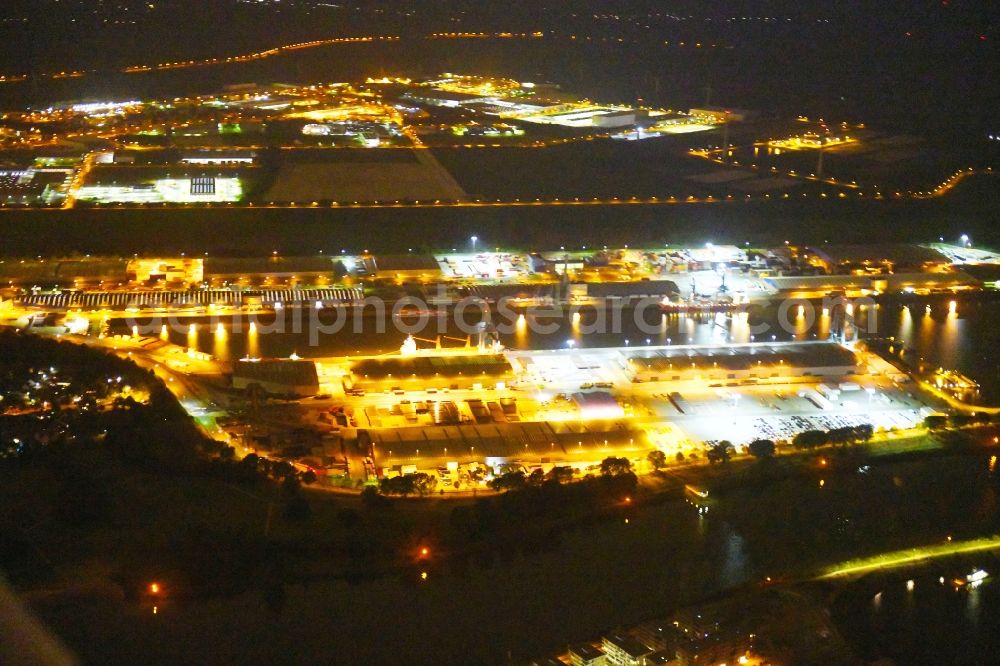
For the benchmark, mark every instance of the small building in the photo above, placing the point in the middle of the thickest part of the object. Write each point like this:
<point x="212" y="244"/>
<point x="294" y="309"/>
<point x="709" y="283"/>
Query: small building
<point x="179" y="269"/>
<point x="620" y="649"/>
<point x="598" y="405"/>
<point x="555" y="262"/>
<point x="586" y="654"/>
<point x="277" y="377"/>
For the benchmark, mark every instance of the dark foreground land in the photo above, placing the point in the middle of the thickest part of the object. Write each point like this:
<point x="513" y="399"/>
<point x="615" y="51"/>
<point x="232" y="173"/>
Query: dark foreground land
<point x="256" y="568"/>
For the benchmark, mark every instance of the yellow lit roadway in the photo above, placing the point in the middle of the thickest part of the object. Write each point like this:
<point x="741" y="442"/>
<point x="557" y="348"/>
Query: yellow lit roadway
<point x="910" y="556"/>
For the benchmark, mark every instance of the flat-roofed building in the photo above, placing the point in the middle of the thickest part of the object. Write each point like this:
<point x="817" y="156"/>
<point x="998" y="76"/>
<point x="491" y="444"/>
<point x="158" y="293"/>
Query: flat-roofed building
<point x="743" y="362"/>
<point x="720" y="114"/>
<point x="188" y="270"/>
<point x="598" y="405"/>
<point x="423" y="372"/>
<point x="586" y="654"/>
<point x="642" y="289"/>
<point x="817" y="286"/>
<point x="63" y="272"/>
<point x="876" y="257"/>
<point x="569" y="443"/>
<point x="277" y="377"/>
<point x="407" y="266"/>
<point x="218" y="157"/>
<point x="619" y="118"/>
<point x="299" y="268"/>
<point x="620" y="649"/>
<point x="446" y="98"/>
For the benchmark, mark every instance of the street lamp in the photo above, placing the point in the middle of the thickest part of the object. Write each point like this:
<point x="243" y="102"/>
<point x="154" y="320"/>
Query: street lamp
<point x="474" y="239"/>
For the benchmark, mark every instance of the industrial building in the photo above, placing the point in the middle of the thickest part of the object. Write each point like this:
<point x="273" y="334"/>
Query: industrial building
<point x="719" y="114"/>
<point x="63" y="272"/>
<point x="498" y="443"/>
<point x="182" y="189"/>
<point x="643" y="289"/>
<point x="749" y="362"/>
<point x="406" y="266"/>
<point x="852" y="286"/>
<point x="245" y="157"/>
<point x="619" y="118"/>
<point x="277" y="377"/>
<point x="300" y="268"/>
<point x="184" y="270"/>
<point x="876" y="258"/>
<point x="452" y="371"/>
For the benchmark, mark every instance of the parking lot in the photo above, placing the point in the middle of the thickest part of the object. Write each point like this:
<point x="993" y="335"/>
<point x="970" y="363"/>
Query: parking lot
<point x="780" y="411"/>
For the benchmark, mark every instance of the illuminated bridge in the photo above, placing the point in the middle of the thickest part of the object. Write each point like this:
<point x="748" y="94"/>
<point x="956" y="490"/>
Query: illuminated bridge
<point x="120" y="300"/>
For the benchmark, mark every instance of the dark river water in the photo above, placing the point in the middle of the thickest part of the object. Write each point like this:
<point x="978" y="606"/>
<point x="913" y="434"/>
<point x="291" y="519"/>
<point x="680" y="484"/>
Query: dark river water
<point x="932" y="622"/>
<point x="966" y="339"/>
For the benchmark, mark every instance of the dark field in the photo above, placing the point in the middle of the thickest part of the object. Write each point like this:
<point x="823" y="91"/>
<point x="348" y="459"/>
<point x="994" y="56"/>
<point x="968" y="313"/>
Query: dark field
<point x="970" y="209"/>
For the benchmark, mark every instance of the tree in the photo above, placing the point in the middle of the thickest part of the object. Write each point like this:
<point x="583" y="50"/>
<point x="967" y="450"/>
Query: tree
<point x="720" y="452"/>
<point x="423" y="483"/>
<point x="612" y="466"/>
<point x="282" y="469"/>
<point x="536" y="478"/>
<point x="371" y="499"/>
<point x="959" y="420"/>
<point x="935" y="421"/>
<point x="398" y="485"/>
<point x="844" y="435"/>
<point x="657" y="458"/>
<point x="761" y="448"/>
<point x="810" y="439"/>
<point x="865" y="432"/>
<point x="508" y="481"/>
<point x="561" y="474"/>
<point x="679" y="457"/>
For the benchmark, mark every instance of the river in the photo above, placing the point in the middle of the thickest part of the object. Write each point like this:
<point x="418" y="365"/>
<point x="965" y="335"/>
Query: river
<point x="964" y="339"/>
